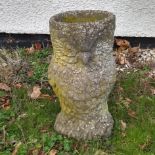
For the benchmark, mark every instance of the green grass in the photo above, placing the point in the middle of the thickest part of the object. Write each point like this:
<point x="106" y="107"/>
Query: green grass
<point x="31" y="121"/>
<point x="140" y="129"/>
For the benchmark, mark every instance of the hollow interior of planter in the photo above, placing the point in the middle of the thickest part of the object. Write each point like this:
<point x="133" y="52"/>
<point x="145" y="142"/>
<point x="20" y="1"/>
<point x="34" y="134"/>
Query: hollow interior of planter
<point x="80" y="17"/>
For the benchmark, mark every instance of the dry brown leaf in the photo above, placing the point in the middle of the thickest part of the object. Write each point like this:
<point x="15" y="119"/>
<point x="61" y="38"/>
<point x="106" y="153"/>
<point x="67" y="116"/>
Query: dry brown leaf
<point x="142" y="146"/>
<point x="131" y="113"/>
<point x="153" y="91"/>
<point x="18" y="85"/>
<point x="122" y="49"/>
<point x="41" y="153"/>
<point x="123" y="125"/>
<point x="5" y="87"/>
<point x="100" y="152"/>
<point x="122" y="44"/>
<point x="45" y="96"/>
<point x="53" y="152"/>
<point x="44" y="129"/>
<point x="127" y="102"/>
<point x="121" y="59"/>
<point x="146" y="144"/>
<point x="6" y="104"/>
<point x="30" y="73"/>
<point x="120" y="89"/>
<point x="16" y="148"/>
<point x="134" y="50"/>
<point x="36" y="92"/>
<point x="2" y="99"/>
<point x="37" y="46"/>
<point x="35" y="152"/>
<point x="30" y="50"/>
<point x="34" y="48"/>
<point x="23" y="115"/>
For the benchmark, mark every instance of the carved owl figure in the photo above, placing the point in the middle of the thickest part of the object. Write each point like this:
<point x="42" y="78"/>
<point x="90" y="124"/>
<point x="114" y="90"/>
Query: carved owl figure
<point x="82" y="71"/>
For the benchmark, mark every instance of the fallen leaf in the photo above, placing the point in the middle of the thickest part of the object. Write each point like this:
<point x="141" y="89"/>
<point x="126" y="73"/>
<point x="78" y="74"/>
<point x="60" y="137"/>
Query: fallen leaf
<point x="120" y="89"/>
<point x="6" y="104"/>
<point x="18" y="85"/>
<point x="122" y="44"/>
<point x="121" y="59"/>
<point x="30" y="73"/>
<point x="152" y="66"/>
<point x="146" y="144"/>
<point x="100" y="152"/>
<point x="53" y="152"/>
<point x="153" y="91"/>
<point x="30" y="50"/>
<point x="35" y="152"/>
<point x="2" y="99"/>
<point x="23" y="115"/>
<point x="37" y="46"/>
<point x="16" y="148"/>
<point x="36" y="92"/>
<point x="123" y="125"/>
<point x="134" y="50"/>
<point x="44" y="129"/>
<point x="142" y="146"/>
<point x="127" y="102"/>
<point x="41" y="152"/>
<point x="131" y="113"/>
<point x="45" y="96"/>
<point x="5" y="87"/>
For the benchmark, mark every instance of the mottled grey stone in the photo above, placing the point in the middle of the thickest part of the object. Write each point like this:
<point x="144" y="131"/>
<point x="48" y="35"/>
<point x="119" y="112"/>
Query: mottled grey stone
<point x="82" y="71"/>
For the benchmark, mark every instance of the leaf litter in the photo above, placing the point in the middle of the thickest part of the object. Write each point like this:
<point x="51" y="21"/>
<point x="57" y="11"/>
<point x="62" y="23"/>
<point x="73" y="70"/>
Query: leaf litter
<point x="125" y="56"/>
<point x="35" y="92"/>
<point x="4" y="87"/>
<point x="128" y="57"/>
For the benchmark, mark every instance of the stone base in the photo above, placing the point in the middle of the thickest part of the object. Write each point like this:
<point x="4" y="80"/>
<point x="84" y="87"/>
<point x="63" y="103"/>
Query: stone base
<point x="84" y="129"/>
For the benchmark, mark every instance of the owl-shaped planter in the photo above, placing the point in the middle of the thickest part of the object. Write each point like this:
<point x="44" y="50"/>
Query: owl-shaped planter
<point x="82" y="71"/>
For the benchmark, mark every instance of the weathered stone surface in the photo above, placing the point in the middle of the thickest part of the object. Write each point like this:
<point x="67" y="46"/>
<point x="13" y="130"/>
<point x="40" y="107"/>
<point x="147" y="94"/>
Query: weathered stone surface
<point x="82" y="72"/>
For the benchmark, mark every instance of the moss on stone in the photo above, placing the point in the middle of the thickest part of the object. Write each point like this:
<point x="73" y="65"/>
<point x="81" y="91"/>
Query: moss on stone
<point x="82" y="84"/>
<point x="74" y="19"/>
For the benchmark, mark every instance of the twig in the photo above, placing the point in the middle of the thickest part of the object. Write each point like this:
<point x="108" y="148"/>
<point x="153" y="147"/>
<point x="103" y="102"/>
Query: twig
<point x="4" y="134"/>
<point x="16" y="148"/>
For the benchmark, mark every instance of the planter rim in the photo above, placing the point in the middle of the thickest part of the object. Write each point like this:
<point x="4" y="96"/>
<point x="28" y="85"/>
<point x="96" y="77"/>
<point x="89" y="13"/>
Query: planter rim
<point x="58" y="18"/>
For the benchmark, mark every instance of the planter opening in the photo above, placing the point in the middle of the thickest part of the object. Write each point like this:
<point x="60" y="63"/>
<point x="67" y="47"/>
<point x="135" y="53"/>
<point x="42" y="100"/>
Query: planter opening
<point x="83" y="16"/>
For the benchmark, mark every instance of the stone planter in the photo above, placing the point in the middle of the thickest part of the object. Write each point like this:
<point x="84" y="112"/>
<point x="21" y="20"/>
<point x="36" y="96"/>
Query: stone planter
<point x="82" y="71"/>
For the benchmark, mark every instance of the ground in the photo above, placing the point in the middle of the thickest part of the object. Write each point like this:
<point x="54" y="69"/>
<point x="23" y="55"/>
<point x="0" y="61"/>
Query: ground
<point x="26" y="122"/>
